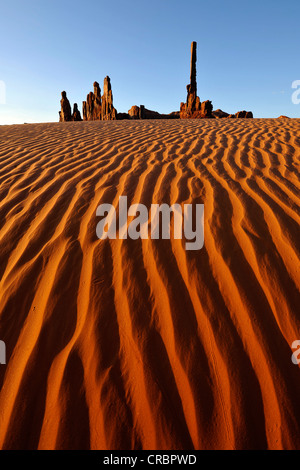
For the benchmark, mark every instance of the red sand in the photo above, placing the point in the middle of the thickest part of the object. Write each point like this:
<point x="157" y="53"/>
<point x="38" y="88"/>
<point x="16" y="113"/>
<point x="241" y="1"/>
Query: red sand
<point x="124" y="344"/>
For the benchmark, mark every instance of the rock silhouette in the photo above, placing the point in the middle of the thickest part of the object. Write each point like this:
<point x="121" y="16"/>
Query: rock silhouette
<point x="101" y="108"/>
<point x="206" y="109"/>
<point x="96" y="108"/>
<point x="140" y="112"/>
<point x="219" y="114"/>
<point x="76" y="116"/>
<point x="97" y="105"/>
<point x="134" y="112"/>
<point x="193" y="101"/>
<point x="244" y="114"/>
<point x="65" y="112"/>
<point x="108" y="111"/>
<point x="91" y="108"/>
<point x="193" y="108"/>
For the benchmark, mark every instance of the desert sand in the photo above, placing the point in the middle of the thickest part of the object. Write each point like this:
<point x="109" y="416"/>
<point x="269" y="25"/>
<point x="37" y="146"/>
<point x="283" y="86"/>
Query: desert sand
<point x="140" y="344"/>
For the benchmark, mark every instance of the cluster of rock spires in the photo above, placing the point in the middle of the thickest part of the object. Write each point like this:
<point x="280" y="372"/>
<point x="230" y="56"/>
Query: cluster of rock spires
<point x="97" y="108"/>
<point x="65" y="114"/>
<point x="94" y="108"/>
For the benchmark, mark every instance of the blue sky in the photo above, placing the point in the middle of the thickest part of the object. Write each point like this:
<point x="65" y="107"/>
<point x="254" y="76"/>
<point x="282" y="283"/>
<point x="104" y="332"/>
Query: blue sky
<point x="248" y="54"/>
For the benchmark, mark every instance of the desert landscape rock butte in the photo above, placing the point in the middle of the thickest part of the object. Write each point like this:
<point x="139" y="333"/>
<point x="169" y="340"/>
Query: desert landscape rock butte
<point x="96" y="108"/>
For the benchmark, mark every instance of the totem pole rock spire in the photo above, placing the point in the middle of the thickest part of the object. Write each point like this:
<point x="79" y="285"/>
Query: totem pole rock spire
<point x="193" y="107"/>
<point x="193" y="81"/>
<point x="192" y="101"/>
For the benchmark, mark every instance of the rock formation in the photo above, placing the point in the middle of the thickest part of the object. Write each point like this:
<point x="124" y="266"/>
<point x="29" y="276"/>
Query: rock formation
<point x="140" y="112"/>
<point x="65" y="112"/>
<point x="244" y="114"/>
<point x="76" y="116"/>
<point x="193" y="101"/>
<point x="108" y="111"/>
<point x="97" y="105"/>
<point x="206" y="109"/>
<point x="219" y="114"/>
<point x="193" y="108"/>
<point x="84" y="110"/>
<point x="121" y="116"/>
<point x="97" y="108"/>
<point x="134" y="112"/>
<point x="91" y="108"/>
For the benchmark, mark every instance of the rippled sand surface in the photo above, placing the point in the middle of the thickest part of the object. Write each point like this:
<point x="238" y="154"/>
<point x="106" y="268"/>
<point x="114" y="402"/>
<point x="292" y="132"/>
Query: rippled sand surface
<point x="130" y="344"/>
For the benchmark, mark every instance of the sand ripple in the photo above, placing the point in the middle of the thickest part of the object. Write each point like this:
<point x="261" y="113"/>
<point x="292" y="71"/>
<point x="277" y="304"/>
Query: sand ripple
<point x="123" y="344"/>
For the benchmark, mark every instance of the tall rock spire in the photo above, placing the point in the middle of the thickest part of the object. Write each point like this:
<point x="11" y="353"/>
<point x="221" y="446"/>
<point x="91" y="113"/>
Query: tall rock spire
<point x="193" y="81"/>
<point x="193" y="107"/>
<point x="192" y="101"/>
<point x="108" y="111"/>
<point x="65" y="113"/>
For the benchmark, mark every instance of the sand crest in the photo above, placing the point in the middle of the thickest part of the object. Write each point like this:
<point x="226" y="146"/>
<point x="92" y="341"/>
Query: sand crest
<point x="130" y="344"/>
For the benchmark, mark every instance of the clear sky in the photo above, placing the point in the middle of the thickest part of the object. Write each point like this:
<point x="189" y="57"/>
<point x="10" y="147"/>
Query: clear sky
<point x="248" y="54"/>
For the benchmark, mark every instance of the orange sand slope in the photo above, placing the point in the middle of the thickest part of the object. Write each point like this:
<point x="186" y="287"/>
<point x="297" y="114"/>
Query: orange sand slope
<point x="129" y="344"/>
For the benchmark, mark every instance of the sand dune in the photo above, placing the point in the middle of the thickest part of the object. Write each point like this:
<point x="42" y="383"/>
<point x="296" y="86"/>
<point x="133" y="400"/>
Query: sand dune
<point x="130" y="344"/>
